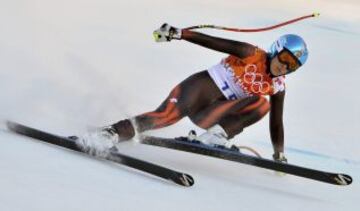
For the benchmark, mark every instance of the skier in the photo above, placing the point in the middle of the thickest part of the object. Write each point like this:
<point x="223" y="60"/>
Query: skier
<point x="229" y="96"/>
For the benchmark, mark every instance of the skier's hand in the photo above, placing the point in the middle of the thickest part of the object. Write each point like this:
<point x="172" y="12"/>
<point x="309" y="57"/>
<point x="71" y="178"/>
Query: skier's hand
<point x="166" y="33"/>
<point x="279" y="157"/>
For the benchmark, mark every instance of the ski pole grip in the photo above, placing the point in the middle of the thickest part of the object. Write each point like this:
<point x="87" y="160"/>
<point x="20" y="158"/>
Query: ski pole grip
<point x="316" y="14"/>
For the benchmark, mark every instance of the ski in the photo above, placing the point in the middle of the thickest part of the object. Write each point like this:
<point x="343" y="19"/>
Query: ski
<point x="233" y="154"/>
<point x="114" y="156"/>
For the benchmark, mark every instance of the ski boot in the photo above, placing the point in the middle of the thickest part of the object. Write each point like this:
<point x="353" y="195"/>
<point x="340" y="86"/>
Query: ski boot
<point x="215" y="136"/>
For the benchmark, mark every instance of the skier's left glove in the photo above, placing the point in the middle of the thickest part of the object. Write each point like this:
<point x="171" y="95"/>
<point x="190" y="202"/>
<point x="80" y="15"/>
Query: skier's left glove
<point x="166" y="33"/>
<point x="279" y="157"/>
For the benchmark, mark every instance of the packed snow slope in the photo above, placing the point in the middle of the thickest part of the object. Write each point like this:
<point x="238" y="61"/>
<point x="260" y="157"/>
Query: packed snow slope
<point x="69" y="65"/>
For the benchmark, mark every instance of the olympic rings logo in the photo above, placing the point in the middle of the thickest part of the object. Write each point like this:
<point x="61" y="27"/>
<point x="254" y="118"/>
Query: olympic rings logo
<point x="255" y="80"/>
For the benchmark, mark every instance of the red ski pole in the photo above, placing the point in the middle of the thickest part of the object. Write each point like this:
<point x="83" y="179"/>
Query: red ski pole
<point x="253" y="30"/>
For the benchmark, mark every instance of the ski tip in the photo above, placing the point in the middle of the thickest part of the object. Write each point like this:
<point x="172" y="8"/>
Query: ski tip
<point x="342" y="179"/>
<point x="14" y="126"/>
<point x="10" y="125"/>
<point x="184" y="180"/>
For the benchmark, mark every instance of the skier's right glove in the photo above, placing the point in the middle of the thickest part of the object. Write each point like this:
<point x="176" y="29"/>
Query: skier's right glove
<point x="166" y="33"/>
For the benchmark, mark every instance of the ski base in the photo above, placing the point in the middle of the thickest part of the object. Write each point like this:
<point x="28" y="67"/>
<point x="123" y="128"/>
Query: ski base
<point x="183" y="144"/>
<point x="114" y="156"/>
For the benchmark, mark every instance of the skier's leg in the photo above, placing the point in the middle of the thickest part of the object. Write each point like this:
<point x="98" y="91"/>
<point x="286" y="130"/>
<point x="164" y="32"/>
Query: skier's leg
<point x="168" y="113"/>
<point x="190" y="96"/>
<point x="235" y="122"/>
<point x="233" y="116"/>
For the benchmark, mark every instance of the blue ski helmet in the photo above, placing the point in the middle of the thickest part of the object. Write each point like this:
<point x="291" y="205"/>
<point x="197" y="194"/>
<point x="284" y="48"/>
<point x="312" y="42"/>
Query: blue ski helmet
<point x="294" y="43"/>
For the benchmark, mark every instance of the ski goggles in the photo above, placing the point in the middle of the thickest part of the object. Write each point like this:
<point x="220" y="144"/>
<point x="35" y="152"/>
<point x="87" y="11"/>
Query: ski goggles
<point x="289" y="59"/>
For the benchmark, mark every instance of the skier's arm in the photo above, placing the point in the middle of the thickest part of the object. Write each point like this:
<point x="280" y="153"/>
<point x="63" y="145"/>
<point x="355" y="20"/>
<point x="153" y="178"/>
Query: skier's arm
<point x="166" y="33"/>
<point x="276" y="122"/>
<point x="236" y="48"/>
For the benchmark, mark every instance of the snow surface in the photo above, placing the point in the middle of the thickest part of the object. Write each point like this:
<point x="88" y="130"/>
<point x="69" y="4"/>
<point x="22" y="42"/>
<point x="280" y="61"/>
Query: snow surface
<point x="72" y="64"/>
